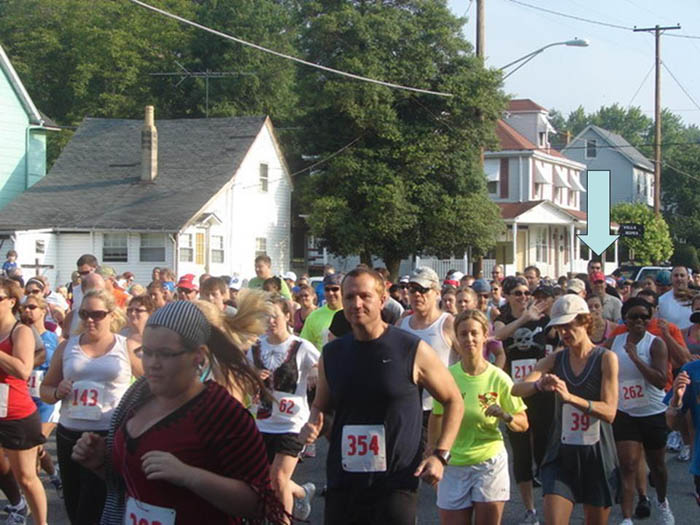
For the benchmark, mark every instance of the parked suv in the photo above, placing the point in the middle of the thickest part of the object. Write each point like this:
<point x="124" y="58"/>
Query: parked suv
<point x="637" y="273"/>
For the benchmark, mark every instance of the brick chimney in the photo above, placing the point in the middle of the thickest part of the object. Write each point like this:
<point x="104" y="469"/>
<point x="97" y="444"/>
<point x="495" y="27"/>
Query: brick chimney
<point x="149" y="148"/>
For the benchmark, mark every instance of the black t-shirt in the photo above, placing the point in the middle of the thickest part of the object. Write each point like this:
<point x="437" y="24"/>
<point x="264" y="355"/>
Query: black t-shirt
<point x="527" y="342"/>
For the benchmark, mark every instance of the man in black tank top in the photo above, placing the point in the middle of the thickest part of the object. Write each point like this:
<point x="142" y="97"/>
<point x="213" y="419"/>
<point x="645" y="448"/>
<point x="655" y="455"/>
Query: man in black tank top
<point x="372" y="378"/>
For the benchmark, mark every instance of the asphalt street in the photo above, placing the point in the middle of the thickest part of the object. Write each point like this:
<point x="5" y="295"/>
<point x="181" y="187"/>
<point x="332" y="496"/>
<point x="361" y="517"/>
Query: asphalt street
<point x="681" y="496"/>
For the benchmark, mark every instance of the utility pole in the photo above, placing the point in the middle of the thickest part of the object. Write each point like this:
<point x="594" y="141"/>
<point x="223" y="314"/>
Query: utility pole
<point x="480" y="32"/>
<point x="657" y="30"/>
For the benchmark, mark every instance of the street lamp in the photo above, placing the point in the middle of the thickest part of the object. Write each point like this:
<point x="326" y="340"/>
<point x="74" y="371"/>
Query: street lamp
<point x="577" y="42"/>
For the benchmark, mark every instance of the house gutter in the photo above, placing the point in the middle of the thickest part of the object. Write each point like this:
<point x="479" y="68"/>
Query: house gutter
<point x="26" y="153"/>
<point x="176" y="255"/>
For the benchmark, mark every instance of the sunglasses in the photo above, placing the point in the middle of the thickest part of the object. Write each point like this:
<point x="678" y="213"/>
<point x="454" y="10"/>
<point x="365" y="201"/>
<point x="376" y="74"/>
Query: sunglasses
<point x="95" y="315"/>
<point x="136" y="311"/>
<point x="332" y="288"/>
<point x="417" y="288"/>
<point x="186" y="291"/>
<point x="520" y="293"/>
<point x="638" y="317"/>
<point x="30" y="307"/>
<point x="85" y="272"/>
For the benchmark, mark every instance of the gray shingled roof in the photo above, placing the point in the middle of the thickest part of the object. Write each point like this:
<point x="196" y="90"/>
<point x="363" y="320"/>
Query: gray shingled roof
<point x="622" y="146"/>
<point x="95" y="182"/>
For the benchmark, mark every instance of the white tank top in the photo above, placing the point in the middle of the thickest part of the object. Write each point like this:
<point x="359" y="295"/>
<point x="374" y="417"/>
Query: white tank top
<point x="435" y="337"/>
<point x="98" y="384"/>
<point x="637" y="397"/>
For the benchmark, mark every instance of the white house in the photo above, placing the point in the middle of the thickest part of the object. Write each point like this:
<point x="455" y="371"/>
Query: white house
<point x="195" y="195"/>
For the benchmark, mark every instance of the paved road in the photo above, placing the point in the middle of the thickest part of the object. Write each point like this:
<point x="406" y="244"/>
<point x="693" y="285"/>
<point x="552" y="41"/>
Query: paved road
<point x="680" y="495"/>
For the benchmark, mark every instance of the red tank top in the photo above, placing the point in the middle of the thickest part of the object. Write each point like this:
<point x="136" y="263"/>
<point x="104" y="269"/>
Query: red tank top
<point x="19" y="403"/>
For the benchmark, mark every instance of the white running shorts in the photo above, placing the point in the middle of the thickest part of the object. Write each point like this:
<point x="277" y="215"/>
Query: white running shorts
<point x="484" y="482"/>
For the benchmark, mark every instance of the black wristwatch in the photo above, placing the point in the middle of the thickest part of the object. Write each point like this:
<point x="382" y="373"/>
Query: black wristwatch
<point x="443" y="455"/>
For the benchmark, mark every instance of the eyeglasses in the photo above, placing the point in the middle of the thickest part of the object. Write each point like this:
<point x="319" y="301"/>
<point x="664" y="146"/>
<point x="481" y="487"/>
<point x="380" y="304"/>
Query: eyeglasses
<point x="186" y="291"/>
<point x="638" y="317"/>
<point x="417" y="288"/>
<point x="520" y="293"/>
<point x="332" y="289"/>
<point x="30" y="307"/>
<point x="95" y="315"/>
<point x="136" y="311"/>
<point x="34" y="291"/>
<point x="161" y="353"/>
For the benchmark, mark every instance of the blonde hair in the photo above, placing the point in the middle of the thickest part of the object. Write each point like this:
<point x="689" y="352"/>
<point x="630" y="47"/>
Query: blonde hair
<point x="476" y="315"/>
<point x="118" y="317"/>
<point x="40" y="301"/>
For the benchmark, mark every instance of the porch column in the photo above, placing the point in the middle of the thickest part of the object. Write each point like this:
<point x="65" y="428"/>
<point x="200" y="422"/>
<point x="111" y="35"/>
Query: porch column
<point x="572" y="246"/>
<point x="515" y="247"/>
<point x="617" y="259"/>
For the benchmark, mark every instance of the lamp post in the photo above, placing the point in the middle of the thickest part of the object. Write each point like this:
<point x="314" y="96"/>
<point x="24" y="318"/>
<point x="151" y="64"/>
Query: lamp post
<point x="576" y="42"/>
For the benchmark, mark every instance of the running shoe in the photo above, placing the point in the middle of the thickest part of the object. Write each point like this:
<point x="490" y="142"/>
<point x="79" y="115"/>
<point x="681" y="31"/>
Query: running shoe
<point x="665" y="514"/>
<point x="310" y="451"/>
<point x="302" y="507"/>
<point x="643" y="508"/>
<point x="530" y="518"/>
<point x="673" y="442"/>
<point x="17" y="515"/>
<point x="684" y="454"/>
<point x="57" y="484"/>
<point x="627" y="521"/>
<point x="697" y="498"/>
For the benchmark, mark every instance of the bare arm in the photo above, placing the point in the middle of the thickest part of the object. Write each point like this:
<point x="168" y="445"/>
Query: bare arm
<point x="322" y="403"/>
<point x="21" y="362"/>
<point x="39" y="357"/>
<point x="674" y="415"/>
<point x="434" y="430"/>
<point x="232" y="496"/>
<point x="528" y="387"/>
<point x="53" y="377"/>
<point x="430" y="373"/>
<point x="656" y="372"/>
<point x="534" y="312"/>
<point x="499" y="355"/>
<point x="677" y="352"/>
<point x="448" y="330"/>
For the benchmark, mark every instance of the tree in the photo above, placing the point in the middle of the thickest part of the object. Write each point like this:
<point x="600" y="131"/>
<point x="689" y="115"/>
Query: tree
<point x="686" y="255"/>
<point x="409" y="179"/>
<point x="656" y="246"/>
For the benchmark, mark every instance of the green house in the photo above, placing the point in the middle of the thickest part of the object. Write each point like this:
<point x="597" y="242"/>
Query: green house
<point x="22" y="135"/>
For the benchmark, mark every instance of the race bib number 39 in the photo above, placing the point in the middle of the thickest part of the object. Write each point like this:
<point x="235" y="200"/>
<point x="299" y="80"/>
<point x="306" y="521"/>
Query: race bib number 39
<point x="578" y="428"/>
<point x="86" y="400"/>
<point x="140" y="513"/>
<point x="521" y="368"/>
<point x="364" y="448"/>
<point x="632" y="394"/>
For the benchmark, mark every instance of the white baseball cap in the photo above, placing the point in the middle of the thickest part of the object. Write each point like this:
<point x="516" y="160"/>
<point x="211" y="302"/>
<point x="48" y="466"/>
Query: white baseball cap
<point x="290" y="276"/>
<point x="566" y="308"/>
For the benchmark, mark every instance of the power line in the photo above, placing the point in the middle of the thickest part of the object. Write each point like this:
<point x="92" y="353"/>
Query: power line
<point x="680" y="85"/>
<point x="573" y="17"/>
<point x="329" y="157"/>
<point x="640" y="85"/>
<point x="288" y="57"/>
<point x="681" y="172"/>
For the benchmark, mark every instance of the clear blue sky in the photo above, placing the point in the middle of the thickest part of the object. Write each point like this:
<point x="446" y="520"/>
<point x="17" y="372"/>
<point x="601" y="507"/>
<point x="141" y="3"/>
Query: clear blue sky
<point x="611" y="69"/>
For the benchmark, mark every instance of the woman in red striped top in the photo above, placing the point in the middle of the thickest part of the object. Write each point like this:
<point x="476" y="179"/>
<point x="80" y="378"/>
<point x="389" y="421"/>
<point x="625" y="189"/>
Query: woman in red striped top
<point x="20" y="425"/>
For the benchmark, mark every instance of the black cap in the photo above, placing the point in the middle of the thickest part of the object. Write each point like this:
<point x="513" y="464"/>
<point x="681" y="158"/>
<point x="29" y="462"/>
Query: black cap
<point x="544" y="289"/>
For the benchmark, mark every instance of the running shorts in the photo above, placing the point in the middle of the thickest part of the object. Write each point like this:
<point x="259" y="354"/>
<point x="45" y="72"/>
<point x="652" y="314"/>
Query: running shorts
<point x="651" y="431"/>
<point x="462" y="486"/>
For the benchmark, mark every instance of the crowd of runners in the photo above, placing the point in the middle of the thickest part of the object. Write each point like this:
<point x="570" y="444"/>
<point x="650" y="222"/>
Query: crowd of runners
<point x="191" y="399"/>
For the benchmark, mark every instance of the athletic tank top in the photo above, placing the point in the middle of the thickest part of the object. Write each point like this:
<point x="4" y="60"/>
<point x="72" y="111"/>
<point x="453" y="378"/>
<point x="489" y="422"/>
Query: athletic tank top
<point x="15" y="401"/>
<point x="378" y="406"/>
<point x="692" y="344"/>
<point x="637" y="397"/>
<point x="435" y="337"/>
<point x="98" y="384"/>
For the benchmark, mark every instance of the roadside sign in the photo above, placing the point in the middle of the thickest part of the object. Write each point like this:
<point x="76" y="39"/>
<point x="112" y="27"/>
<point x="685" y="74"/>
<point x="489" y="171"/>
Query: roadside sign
<point x="635" y="231"/>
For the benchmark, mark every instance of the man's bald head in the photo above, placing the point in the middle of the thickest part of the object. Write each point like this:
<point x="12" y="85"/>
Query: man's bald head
<point x="92" y="281"/>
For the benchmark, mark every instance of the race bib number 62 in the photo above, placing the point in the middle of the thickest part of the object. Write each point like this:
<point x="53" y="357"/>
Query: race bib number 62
<point x="363" y="448"/>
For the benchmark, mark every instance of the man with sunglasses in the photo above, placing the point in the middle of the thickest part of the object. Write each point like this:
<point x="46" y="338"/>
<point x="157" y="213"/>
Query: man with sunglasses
<point x="317" y="324"/>
<point x="430" y="324"/>
<point x="612" y="306"/>
<point x="186" y="289"/>
<point x="87" y="264"/>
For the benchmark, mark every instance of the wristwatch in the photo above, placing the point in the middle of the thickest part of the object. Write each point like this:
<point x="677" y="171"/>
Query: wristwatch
<point x="443" y="455"/>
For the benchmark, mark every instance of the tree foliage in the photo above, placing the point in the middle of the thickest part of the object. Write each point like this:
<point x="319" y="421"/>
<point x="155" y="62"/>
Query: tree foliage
<point x="411" y="181"/>
<point x="656" y="246"/>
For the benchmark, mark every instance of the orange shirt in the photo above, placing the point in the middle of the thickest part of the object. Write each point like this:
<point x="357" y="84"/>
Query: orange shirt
<point x="121" y="297"/>
<point x="653" y="328"/>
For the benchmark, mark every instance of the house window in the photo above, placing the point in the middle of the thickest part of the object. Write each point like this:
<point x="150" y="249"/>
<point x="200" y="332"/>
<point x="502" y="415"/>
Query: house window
<point x="152" y="247"/>
<point x="186" y="251"/>
<point x="260" y="246"/>
<point x="40" y="246"/>
<point x="543" y="139"/>
<point x="263" y="177"/>
<point x="584" y="252"/>
<point x="542" y="246"/>
<point x="217" y="248"/>
<point x="493" y="188"/>
<point x="591" y="148"/>
<point x="114" y="247"/>
<point x="539" y="189"/>
<point x="199" y="248"/>
<point x="572" y="198"/>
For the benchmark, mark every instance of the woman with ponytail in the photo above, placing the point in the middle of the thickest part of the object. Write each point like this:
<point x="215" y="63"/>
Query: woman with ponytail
<point x="183" y="450"/>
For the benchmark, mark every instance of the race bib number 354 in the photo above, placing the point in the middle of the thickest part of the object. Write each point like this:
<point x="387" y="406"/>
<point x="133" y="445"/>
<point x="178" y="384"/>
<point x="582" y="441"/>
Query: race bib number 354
<point x="363" y="448"/>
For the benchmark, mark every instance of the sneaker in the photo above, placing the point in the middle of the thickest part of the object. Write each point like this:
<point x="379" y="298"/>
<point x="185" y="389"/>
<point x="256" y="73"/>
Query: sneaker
<point x="530" y="518"/>
<point x="684" y="454"/>
<point x="627" y="521"/>
<point x="643" y="508"/>
<point x="17" y="514"/>
<point x="57" y="484"/>
<point x="665" y="514"/>
<point x="310" y="451"/>
<point x="697" y="498"/>
<point x="673" y="442"/>
<point x="302" y="507"/>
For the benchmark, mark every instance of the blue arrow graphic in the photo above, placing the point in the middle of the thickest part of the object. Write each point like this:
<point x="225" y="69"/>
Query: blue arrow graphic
<point x="598" y="236"/>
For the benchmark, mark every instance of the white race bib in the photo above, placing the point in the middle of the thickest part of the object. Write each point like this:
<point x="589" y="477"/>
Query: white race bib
<point x="4" y="398"/>
<point x="578" y="428"/>
<point x="34" y="382"/>
<point x="632" y="394"/>
<point x="521" y="368"/>
<point x="85" y="401"/>
<point x="286" y="406"/>
<point x="140" y="513"/>
<point x="364" y="448"/>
